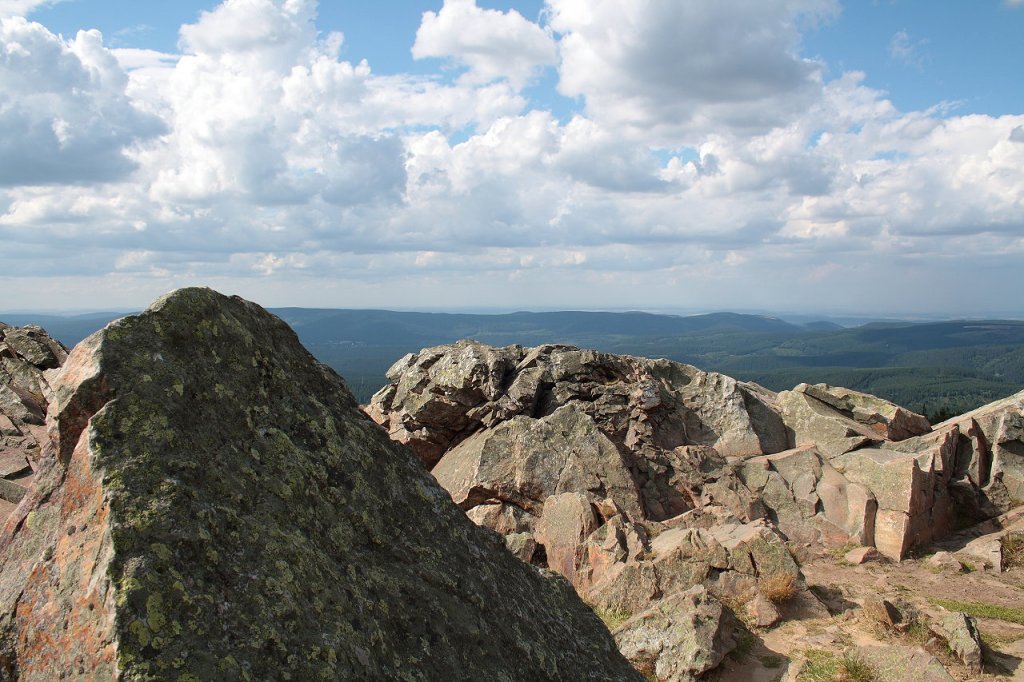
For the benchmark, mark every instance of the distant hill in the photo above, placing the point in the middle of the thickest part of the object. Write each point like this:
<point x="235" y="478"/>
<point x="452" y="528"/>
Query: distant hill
<point x="931" y="367"/>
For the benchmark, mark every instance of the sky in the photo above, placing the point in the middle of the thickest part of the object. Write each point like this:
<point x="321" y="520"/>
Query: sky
<point x="810" y="156"/>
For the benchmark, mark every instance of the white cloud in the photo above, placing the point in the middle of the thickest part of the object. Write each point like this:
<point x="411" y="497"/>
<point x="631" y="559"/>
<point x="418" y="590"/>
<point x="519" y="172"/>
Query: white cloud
<point x="674" y="72"/>
<point x="705" y="158"/>
<point x="492" y="44"/>
<point x="22" y="8"/>
<point x="63" y="110"/>
<point x="905" y="50"/>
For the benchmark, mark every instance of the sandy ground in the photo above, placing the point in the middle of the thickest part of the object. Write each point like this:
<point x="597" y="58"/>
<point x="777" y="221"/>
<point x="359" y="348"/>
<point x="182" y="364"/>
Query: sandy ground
<point x="913" y="586"/>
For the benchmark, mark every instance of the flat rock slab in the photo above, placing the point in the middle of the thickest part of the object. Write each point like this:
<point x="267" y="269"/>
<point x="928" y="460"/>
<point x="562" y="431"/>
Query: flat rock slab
<point x="13" y="463"/>
<point x="897" y="664"/>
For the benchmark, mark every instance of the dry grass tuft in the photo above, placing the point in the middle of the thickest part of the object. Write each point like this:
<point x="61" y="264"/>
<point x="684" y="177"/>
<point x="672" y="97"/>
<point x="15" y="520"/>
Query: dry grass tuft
<point x="1013" y="549"/>
<point x="777" y="587"/>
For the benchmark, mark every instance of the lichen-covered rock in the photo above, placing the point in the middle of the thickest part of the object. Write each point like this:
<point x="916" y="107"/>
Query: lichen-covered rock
<point x="679" y="638"/>
<point x="961" y="634"/>
<point x="648" y="409"/>
<point x="686" y="478"/>
<point x="523" y="461"/>
<point x="212" y="505"/>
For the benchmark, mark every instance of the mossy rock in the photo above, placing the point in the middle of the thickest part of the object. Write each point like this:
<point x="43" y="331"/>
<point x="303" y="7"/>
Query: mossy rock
<point x="216" y="507"/>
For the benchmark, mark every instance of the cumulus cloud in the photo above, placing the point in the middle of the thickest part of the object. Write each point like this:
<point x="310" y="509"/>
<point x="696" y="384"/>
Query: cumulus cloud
<point x="64" y="113"/>
<point x="675" y="72"/>
<point x="491" y="44"/>
<point x="703" y="153"/>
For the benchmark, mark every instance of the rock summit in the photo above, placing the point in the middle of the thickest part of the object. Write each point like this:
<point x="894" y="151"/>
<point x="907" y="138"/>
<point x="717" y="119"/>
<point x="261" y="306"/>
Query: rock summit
<point x="210" y="504"/>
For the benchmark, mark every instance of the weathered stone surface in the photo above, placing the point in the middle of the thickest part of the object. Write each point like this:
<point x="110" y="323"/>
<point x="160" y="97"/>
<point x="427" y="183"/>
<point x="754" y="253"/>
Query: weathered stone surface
<point x="762" y="612"/>
<point x="428" y="408"/>
<point x="809" y="500"/>
<point x="887" y="419"/>
<point x="894" y="662"/>
<point x="945" y="561"/>
<point x="566" y="522"/>
<point x="679" y="638"/>
<point x="522" y="546"/>
<point x="729" y="559"/>
<point x="35" y="346"/>
<point x="828" y="465"/>
<point x="524" y="461"/>
<point x="28" y="358"/>
<point x="882" y="611"/>
<point x="961" y="634"/>
<point x="861" y="555"/>
<point x="914" y="506"/>
<point x="502" y="518"/>
<point x="212" y="505"/>
<point x="987" y="549"/>
<point x="720" y="470"/>
<point x="618" y="541"/>
<point x="814" y="422"/>
<point x="991" y="453"/>
<point x="657" y="413"/>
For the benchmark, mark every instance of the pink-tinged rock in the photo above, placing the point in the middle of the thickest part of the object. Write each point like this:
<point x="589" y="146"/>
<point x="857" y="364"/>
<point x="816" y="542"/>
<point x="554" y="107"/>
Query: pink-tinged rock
<point x="763" y="612"/>
<point x="914" y="506"/>
<point x="945" y="561"/>
<point x="887" y="419"/>
<point x="211" y="501"/>
<point x="862" y="555"/>
<point x="566" y="522"/>
<point x="892" y="538"/>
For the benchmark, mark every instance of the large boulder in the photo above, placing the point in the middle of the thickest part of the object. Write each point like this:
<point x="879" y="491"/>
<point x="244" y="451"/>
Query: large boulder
<point x="809" y="500"/>
<point x="523" y="461"/>
<point x="211" y="504"/>
<point x="729" y="559"/>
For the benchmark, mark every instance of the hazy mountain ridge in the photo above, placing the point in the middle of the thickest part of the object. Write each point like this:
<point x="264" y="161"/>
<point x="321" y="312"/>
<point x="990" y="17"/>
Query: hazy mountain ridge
<point x="935" y="367"/>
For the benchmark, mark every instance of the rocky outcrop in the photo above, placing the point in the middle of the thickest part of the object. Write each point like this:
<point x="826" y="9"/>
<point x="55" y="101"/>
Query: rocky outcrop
<point x="210" y="504"/>
<point x="28" y="359"/>
<point x="989" y="459"/>
<point x="443" y="395"/>
<point x="510" y="427"/>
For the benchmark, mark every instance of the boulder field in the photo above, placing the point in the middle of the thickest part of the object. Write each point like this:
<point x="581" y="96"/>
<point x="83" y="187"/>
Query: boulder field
<point x="207" y="502"/>
<point x="662" y="491"/>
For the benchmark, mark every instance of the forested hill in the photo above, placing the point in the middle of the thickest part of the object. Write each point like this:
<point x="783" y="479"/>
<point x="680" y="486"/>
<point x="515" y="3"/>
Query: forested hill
<point x="937" y="367"/>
